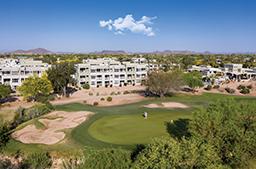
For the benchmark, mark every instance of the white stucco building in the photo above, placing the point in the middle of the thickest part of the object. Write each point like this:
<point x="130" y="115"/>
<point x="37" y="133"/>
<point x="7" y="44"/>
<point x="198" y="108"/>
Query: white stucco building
<point x="109" y="72"/>
<point x="14" y="71"/>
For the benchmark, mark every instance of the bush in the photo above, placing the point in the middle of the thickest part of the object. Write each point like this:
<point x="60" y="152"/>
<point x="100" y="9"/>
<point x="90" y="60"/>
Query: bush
<point x="240" y="87"/>
<point x="118" y="93"/>
<point x="245" y="91"/>
<point x="249" y="86"/>
<point x="126" y="92"/>
<point x="38" y="161"/>
<point x="90" y="94"/>
<point x="112" y="93"/>
<point x="102" y="99"/>
<point x="208" y="87"/>
<point x="84" y="101"/>
<point x="230" y="90"/>
<point x="95" y="103"/>
<point x="4" y="136"/>
<point x="35" y="111"/>
<point x="86" y="86"/>
<point x="109" y="99"/>
<point x="107" y="159"/>
<point x="97" y="94"/>
<point x="216" y="86"/>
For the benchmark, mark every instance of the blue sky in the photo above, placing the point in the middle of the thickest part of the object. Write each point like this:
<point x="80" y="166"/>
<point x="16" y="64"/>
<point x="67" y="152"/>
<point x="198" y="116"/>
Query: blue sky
<point x="73" y="25"/>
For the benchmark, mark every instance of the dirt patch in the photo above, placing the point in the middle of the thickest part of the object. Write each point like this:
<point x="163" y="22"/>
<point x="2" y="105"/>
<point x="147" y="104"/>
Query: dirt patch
<point x="95" y="94"/>
<point x="167" y="105"/>
<point x="52" y="133"/>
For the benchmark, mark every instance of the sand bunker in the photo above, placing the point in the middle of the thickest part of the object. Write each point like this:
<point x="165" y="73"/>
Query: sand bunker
<point x="167" y="105"/>
<point x="54" y="123"/>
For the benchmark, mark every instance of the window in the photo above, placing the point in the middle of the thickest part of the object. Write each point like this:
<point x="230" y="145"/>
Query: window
<point x="15" y="80"/>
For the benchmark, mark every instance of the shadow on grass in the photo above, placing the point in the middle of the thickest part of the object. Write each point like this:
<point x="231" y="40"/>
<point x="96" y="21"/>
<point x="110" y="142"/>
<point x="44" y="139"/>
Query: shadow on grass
<point x="178" y="128"/>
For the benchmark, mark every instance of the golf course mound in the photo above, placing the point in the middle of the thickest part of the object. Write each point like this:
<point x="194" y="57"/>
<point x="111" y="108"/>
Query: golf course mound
<point x="53" y="124"/>
<point x="167" y="105"/>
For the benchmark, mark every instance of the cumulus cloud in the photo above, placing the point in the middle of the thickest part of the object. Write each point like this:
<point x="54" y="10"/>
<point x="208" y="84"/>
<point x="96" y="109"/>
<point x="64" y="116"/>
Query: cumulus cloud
<point x="128" y="23"/>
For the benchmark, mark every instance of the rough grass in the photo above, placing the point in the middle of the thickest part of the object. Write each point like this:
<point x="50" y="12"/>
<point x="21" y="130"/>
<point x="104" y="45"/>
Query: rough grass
<point x="7" y="115"/>
<point x="38" y="124"/>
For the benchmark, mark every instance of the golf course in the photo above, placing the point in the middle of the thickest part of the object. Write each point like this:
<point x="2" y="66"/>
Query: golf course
<point x="123" y="126"/>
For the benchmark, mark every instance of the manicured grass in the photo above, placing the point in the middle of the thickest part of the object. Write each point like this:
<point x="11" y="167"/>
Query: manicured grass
<point x="121" y="126"/>
<point x="133" y="129"/>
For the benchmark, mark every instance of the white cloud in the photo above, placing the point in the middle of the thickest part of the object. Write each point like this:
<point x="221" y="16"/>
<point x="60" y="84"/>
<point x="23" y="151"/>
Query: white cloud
<point x="128" y="23"/>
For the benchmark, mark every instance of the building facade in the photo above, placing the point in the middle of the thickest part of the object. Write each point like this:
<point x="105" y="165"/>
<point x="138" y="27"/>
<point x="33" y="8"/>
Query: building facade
<point x="14" y="71"/>
<point x="109" y="72"/>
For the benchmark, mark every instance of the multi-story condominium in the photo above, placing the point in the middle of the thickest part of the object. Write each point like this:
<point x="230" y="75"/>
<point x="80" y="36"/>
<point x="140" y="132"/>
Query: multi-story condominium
<point x="109" y="72"/>
<point x="14" y="71"/>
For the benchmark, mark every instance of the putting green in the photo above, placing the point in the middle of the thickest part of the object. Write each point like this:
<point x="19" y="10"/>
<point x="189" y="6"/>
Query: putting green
<point x="133" y="129"/>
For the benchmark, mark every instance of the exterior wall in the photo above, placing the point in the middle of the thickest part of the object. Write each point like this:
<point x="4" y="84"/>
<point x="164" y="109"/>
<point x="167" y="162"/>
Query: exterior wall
<point x="109" y="72"/>
<point x="14" y="72"/>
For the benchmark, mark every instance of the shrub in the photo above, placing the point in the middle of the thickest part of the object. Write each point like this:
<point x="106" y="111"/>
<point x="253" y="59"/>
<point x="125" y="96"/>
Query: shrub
<point x="245" y="91"/>
<point x="4" y="136"/>
<point x="97" y="94"/>
<point x="84" y="101"/>
<point x="118" y="93"/>
<point x="90" y="94"/>
<point x="136" y="91"/>
<point x="109" y="99"/>
<point x="35" y="111"/>
<point x="112" y="93"/>
<point x="38" y="161"/>
<point x="38" y="110"/>
<point x="240" y="87"/>
<point x="208" y="87"/>
<point x="95" y="103"/>
<point x="126" y="92"/>
<point x="86" y="86"/>
<point x="102" y="99"/>
<point x="216" y="86"/>
<point x="249" y="86"/>
<point x="230" y="90"/>
<point x="107" y="159"/>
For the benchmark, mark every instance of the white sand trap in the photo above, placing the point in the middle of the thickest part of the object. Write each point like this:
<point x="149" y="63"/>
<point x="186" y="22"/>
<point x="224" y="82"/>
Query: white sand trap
<point x="167" y="105"/>
<point x="52" y="134"/>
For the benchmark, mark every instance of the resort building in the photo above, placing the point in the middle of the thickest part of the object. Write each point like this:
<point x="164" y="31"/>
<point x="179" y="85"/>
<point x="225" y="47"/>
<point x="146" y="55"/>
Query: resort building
<point x="109" y="72"/>
<point x="14" y="71"/>
<point x="228" y="72"/>
<point x="237" y="72"/>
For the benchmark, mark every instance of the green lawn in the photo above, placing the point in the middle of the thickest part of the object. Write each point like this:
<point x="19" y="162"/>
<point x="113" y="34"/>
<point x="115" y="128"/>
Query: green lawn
<point x="133" y="129"/>
<point x="122" y="126"/>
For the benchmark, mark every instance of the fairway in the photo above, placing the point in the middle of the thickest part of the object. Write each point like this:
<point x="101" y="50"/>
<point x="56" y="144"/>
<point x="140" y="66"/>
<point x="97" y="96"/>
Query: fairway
<point x="133" y="129"/>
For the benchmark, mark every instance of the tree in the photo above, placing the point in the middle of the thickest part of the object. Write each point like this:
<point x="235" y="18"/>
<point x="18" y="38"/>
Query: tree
<point x="34" y="87"/>
<point x="193" y="79"/>
<point x="4" y="133"/>
<point x="184" y="154"/>
<point x="187" y="61"/>
<point x="160" y="83"/>
<point x="60" y="77"/>
<point x="40" y="160"/>
<point x="5" y="91"/>
<point x="230" y="128"/>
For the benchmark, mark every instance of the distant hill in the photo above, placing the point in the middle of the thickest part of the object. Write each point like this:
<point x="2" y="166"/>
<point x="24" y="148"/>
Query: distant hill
<point x="110" y="52"/>
<point x="33" y="51"/>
